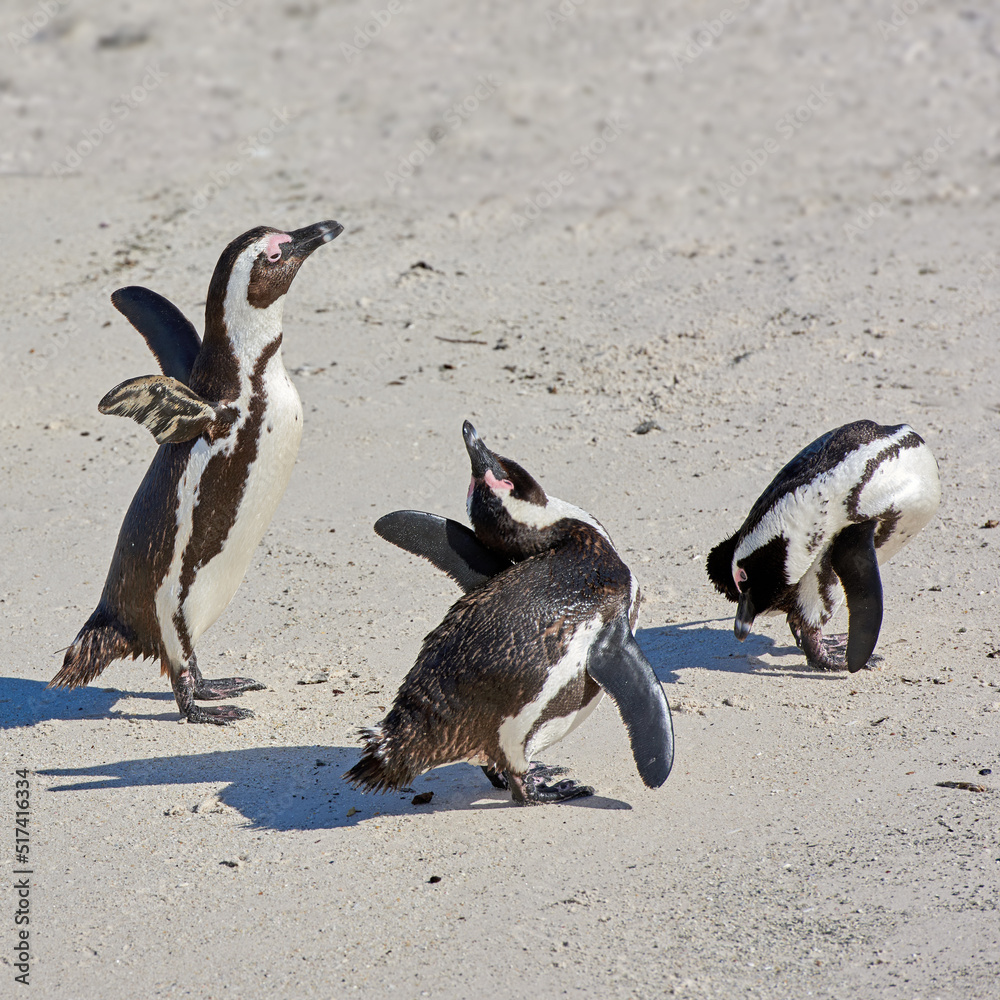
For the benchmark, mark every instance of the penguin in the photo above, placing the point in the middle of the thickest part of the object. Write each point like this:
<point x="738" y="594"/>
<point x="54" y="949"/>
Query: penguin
<point x="543" y="630"/>
<point x="228" y="422"/>
<point x="846" y="503"/>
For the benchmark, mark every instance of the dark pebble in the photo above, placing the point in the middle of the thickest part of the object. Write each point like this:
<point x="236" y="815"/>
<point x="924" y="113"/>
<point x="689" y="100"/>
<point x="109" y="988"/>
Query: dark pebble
<point x="986" y="770"/>
<point x="433" y="879"/>
<point x="422" y="799"/>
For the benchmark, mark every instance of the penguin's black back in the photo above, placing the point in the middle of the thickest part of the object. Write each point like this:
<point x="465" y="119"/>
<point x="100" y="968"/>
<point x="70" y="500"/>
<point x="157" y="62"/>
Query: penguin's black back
<point x="823" y="455"/>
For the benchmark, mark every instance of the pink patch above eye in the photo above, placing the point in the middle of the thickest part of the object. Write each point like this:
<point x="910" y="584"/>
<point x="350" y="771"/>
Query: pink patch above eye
<point x="739" y="576"/>
<point x="497" y="484"/>
<point x="273" y="248"/>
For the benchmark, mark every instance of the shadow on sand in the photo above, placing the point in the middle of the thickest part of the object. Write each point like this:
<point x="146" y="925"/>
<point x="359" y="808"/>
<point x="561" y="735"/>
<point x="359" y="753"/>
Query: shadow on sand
<point x="302" y="788"/>
<point x="711" y="645"/>
<point x="26" y="703"/>
<point x="298" y="788"/>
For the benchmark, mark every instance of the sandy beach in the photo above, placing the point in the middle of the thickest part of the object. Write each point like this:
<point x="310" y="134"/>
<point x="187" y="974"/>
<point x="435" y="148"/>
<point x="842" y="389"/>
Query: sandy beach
<point x="650" y="251"/>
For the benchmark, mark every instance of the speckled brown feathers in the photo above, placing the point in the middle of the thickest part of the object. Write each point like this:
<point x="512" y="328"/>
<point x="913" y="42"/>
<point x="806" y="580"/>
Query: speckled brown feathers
<point x="167" y="408"/>
<point x="490" y="655"/>
<point x="102" y="639"/>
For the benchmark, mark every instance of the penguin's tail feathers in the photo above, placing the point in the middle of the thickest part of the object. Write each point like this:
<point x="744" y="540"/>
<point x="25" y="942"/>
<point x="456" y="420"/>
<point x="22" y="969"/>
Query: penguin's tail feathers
<point x="380" y="769"/>
<point x="99" y="642"/>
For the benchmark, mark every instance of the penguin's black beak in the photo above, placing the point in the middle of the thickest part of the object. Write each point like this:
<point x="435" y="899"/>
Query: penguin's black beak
<point x="307" y="239"/>
<point x="480" y="456"/>
<point x="745" y="614"/>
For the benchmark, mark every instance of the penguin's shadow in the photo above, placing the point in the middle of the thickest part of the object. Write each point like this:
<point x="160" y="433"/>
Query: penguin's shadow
<point x="296" y="788"/>
<point x="711" y="645"/>
<point x="25" y="702"/>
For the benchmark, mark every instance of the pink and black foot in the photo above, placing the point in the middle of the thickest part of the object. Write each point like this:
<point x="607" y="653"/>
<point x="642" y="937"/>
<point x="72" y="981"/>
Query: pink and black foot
<point x="537" y="770"/>
<point x="822" y="652"/>
<point x="222" y="687"/>
<point x="189" y="684"/>
<point x="530" y="789"/>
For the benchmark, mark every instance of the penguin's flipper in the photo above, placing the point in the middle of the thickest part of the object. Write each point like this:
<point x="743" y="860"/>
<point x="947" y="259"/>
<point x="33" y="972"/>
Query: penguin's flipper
<point x="853" y="558"/>
<point x="450" y="546"/>
<point x="167" y="331"/>
<point x="616" y="662"/>
<point x="167" y="408"/>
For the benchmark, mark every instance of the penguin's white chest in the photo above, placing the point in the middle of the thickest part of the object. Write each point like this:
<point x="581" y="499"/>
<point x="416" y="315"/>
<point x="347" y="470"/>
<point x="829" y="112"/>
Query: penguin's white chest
<point x="259" y="485"/>
<point x="516" y="736"/>
<point x="266" y="478"/>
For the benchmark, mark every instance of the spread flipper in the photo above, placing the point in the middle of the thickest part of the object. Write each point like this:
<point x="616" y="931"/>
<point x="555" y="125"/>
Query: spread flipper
<point x="168" y="409"/>
<point x="450" y="546"/>
<point x="853" y="558"/>
<point x="167" y="331"/>
<point x="617" y="664"/>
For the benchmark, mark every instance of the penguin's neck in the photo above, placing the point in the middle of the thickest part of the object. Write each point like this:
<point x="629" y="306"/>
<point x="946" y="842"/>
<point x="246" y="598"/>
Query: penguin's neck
<point x="538" y="528"/>
<point x="528" y="529"/>
<point x="236" y="338"/>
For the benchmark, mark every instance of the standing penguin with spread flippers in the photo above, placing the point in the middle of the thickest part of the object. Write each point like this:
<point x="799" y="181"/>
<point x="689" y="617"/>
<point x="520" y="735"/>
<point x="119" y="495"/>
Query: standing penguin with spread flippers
<point x="228" y="421"/>
<point x="817" y="534"/>
<point x="544" y="629"/>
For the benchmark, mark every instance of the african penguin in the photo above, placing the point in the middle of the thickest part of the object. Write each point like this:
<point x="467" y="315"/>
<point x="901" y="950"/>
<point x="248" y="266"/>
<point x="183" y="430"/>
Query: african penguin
<point x="849" y="501"/>
<point x="228" y="421"/>
<point x="543" y="630"/>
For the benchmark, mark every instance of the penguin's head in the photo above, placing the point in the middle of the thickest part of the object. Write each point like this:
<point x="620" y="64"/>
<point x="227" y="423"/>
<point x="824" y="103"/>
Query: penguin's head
<point x="756" y="580"/>
<point x="509" y="510"/>
<point x="246" y="294"/>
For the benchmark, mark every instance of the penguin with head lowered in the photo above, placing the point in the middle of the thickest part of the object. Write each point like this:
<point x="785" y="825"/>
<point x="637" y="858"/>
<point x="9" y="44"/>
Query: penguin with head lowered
<point x="846" y="503"/>
<point x="543" y="630"/>
<point x="228" y="421"/>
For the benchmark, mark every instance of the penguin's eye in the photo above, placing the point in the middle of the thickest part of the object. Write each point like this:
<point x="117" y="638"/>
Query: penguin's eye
<point x="739" y="576"/>
<point x="273" y="249"/>
<point x="497" y="485"/>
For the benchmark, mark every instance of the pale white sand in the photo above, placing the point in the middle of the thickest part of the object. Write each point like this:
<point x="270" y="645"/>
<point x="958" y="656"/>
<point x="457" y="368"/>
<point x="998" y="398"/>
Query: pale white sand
<point x="801" y="847"/>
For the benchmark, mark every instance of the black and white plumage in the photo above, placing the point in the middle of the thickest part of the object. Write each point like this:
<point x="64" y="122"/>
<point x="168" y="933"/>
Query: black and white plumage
<point x="228" y="421"/>
<point x="846" y="503"/>
<point x="543" y="630"/>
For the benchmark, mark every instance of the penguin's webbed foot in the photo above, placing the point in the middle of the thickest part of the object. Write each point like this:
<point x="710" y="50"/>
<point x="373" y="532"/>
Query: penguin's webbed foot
<point x="224" y="687"/>
<point x="498" y="779"/>
<point x="822" y="652"/>
<point x="221" y="715"/>
<point x="220" y="688"/>
<point x="188" y="684"/>
<point x="528" y="790"/>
